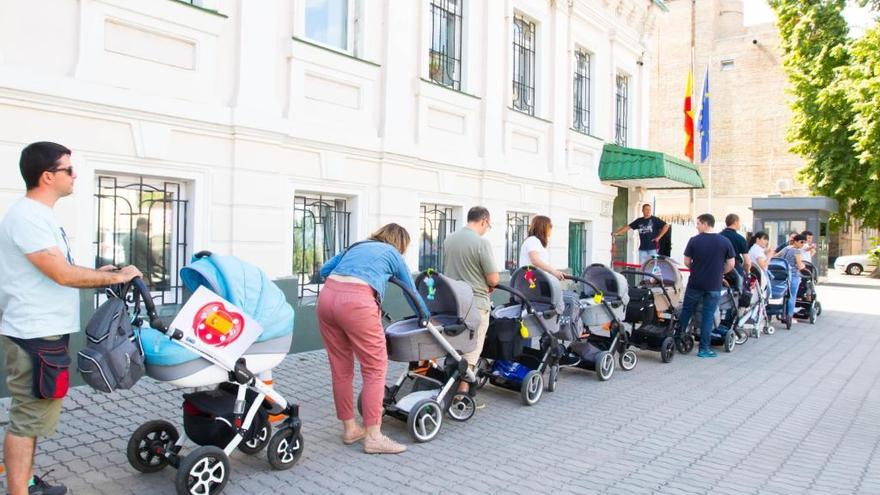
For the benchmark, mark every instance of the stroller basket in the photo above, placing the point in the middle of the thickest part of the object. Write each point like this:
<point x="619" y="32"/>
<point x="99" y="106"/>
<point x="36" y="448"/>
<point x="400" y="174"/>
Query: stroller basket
<point x="503" y="338"/>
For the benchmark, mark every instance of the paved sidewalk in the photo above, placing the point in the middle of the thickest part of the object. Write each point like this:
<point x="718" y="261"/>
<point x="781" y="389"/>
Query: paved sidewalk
<point x="796" y="412"/>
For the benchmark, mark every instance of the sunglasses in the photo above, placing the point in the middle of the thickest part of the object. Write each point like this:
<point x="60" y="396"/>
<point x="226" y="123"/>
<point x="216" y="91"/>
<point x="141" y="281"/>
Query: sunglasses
<point x="67" y="170"/>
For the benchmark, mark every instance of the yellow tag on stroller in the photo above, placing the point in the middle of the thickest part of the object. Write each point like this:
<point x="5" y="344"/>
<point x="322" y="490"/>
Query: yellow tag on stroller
<point x="597" y="298"/>
<point x="523" y="330"/>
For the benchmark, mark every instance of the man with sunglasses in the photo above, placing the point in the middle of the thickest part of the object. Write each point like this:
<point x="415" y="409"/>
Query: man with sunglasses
<point x="39" y="303"/>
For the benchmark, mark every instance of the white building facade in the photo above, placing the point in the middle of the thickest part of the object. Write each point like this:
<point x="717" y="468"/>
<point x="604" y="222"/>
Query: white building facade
<point x="281" y="131"/>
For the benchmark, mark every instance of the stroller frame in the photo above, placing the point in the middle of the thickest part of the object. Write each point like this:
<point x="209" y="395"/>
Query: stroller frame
<point x="531" y="387"/>
<point x="422" y="409"/>
<point x="157" y="444"/>
<point x="666" y="346"/>
<point x="808" y="308"/>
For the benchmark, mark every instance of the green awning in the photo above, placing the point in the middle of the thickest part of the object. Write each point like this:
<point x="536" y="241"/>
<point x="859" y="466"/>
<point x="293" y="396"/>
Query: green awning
<point x="630" y="167"/>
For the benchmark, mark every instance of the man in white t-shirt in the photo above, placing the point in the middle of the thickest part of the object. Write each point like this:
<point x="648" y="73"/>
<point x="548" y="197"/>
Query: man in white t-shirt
<point x="39" y="302"/>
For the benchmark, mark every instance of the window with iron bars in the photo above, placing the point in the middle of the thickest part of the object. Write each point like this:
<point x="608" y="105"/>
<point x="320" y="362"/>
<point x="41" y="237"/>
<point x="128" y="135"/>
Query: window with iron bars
<point x="516" y="233"/>
<point x="582" y="96"/>
<point x="622" y="114"/>
<point x="321" y="226"/>
<point x="143" y="222"/>
<point x="577" y="247"/>
<point x="437" y="222"/>
<point x="523" y="65"/>
<point x="445" y="54"/>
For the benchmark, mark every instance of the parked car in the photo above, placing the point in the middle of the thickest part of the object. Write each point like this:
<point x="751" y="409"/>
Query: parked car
<point x="854" y="265"/>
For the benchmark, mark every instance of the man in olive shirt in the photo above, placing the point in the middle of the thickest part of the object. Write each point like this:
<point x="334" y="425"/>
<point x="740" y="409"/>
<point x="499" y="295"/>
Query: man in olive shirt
<point x="467" y="256"/>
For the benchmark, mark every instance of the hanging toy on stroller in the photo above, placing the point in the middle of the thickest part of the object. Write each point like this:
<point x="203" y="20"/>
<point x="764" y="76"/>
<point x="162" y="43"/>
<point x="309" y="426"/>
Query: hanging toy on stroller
<point x="533" y="313"/>
<point x="236" y="413"/>
<point x="604" y="297"/>
<point x="653" y="308"/>
<point x="426" y="389"/>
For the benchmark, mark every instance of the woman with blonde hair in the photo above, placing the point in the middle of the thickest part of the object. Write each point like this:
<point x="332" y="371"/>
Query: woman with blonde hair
<point x="534" y="248"/>
<point x="351" y="327"/>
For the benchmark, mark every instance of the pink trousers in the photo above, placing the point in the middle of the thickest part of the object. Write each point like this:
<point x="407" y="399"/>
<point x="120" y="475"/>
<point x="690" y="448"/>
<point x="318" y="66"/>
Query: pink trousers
<point x="351" y="326"/>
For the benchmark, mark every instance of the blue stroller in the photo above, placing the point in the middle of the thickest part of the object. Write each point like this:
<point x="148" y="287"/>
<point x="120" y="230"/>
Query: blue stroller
<point x="237" y="410"/>
<point x="780" y="291"/>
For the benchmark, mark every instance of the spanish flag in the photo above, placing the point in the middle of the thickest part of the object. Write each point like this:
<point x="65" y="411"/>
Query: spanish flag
<point x="689" y="116"/>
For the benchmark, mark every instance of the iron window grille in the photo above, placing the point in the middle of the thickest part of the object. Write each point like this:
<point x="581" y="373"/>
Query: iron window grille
<point x="524" y="65"/>
<point x="577" y="247"/>
<point x="516" y="233"/>
<point x="437" y="222"/>
<point x="143" y="222"/>
<point x="321" y="227"/>
<point x="622" y="114"/>
<point x="582" y="96"/>
<point x="445" y="54"/>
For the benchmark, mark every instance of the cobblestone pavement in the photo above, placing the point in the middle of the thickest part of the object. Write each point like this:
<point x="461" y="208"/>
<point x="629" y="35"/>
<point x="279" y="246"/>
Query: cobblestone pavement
<point x="795" y="412"/>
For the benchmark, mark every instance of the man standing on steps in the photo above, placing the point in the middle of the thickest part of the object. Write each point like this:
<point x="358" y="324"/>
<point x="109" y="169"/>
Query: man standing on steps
<point x="650" y="228"/>
<point x="709" y="256"/>
<point x="467" y="256"/>
<point x="39" y="302"/>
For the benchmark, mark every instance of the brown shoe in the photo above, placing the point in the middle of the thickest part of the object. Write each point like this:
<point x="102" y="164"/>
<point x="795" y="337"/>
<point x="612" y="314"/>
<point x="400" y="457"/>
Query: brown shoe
<point x="383" y="445"/>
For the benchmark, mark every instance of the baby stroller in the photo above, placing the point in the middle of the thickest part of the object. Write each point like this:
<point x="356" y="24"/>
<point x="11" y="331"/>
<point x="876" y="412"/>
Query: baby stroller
<point x="724" y="331"/>
<point x="807" y="305"/>
<point x="755" y="313"/>
<point x="426" y="388"/>
<point x="533" y="313"/>
<point x="603" y="306"/>
<point x="653" y="307"/>
<point x="780" y="291"/>
<point x="234" y="414"/>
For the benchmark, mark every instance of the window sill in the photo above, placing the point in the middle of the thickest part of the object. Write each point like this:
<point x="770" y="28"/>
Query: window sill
<point x="587" y="134"/>
<point x="520" y="112"/>
<point x="203" y="9"/>
<point x="449" y="88"/>
<point x="333" y="50"/>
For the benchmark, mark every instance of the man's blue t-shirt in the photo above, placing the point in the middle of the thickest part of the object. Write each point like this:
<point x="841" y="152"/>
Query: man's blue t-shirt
<point x="740" y="246"/>
<point x="708" y="253"/>
<point x="648" y="228"/>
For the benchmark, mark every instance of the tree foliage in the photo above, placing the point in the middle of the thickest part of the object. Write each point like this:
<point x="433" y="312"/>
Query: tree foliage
<point x="835" y="82"/>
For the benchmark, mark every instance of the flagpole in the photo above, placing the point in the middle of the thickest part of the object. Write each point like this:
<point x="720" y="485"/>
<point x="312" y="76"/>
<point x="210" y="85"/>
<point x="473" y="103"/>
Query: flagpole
<point x="692" y="193"/>
<point x="708" y="157"/>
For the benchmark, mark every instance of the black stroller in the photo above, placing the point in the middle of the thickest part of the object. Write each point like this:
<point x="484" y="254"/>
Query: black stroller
<point x="724" y="327"/>
<point x="533" y="314"/>
<point x="807" y="305"/>
<point x="653" y="307"/>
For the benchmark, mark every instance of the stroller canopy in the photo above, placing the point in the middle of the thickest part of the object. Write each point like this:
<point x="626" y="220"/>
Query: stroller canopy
<point x="244" y="285"/>
<point x="779" y="269"/>
<point x="666" y="270"/>
<point x="612" y="284"/>
<point x="538" y="287"/>
<point x="448" y="297"/>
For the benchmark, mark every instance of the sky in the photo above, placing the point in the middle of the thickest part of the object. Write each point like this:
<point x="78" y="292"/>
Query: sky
<point x="758" y="12"/>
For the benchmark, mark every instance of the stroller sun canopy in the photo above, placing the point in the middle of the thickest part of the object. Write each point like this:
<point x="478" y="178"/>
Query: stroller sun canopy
<point x="244" y="285"/>
<point x="539" y="287"/>
<point x="612" y="284"/>
<point x="445" y="296"/>
<point x="665" y="269"/>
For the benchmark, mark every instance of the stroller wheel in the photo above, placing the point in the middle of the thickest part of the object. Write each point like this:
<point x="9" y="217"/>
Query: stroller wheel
<point x="532" y="388"/>
<point x="813" y="313"/>
<point x="204" y="471"/>
<point x="484" y="369"/>
<point x="147" y="445"/>
<point x="628" y="360"/>
<point x="740" y="336"/>
<point x="604" y="365"/>
<point x="787" y="322"/>
<point x="685" y="344"/>
<point x="261" y="432"/>
<point x="667" y="349"/>
<point x="729" y="341"/>
<point x="424" y="420"/>
<point x="285" y="448"/>
<point x="553" y="378"/>
<point x="818" y="308"/>
<point x="462" y="407"/>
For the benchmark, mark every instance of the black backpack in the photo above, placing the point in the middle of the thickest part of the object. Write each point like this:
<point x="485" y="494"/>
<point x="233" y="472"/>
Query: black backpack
<point x="113" y="358"/>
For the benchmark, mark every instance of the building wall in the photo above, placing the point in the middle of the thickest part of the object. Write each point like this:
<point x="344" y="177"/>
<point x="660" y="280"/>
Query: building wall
<point x="749" y="107"/>
<point x="246" y="112"/>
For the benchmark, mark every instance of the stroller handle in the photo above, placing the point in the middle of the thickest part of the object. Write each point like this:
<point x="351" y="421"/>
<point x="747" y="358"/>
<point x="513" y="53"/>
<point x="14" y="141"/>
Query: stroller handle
<point x="583" y="281"/>
<point x="644" y="274"/>
<point x="155" y="322"/>
<point x="413" y="299"/>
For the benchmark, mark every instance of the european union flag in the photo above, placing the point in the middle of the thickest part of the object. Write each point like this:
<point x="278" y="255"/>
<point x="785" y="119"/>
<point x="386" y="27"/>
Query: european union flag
<point x="704" y="120"/>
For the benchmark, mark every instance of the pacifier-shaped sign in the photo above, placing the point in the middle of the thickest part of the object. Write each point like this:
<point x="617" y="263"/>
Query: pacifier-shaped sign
<point x="530" y="278"/>
<point x="216" y="326"/>
<point x="598" y="297"/>
<point x="429" y="283"/>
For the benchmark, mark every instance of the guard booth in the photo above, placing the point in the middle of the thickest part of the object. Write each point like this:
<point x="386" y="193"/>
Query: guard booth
<point x="779" y="217"/>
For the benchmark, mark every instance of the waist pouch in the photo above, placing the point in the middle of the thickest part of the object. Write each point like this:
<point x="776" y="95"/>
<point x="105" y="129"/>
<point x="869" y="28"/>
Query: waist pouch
<point x="50" y="366"/>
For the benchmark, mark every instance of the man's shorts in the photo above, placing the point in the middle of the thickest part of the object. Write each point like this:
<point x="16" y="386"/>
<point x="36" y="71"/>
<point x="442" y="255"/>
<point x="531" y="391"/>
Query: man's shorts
<point x="28" y="416"/>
